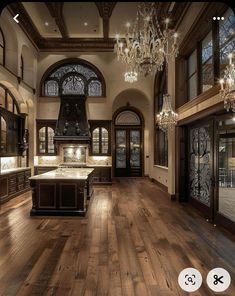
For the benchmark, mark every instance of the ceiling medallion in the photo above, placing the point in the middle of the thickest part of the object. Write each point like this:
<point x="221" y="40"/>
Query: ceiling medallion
<point x="167" y="118"/>
<point x="146" y="46"/>
<point x="227" y="83"/>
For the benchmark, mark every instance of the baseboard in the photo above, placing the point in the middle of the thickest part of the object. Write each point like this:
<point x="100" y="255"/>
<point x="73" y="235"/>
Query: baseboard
<point x="163" y="188"/>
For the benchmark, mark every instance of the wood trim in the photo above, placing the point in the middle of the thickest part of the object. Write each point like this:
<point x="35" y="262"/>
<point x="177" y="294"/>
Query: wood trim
<point x="199" y="99"/>
<point x="56" y="11"/>
<point x="105" y="11"/>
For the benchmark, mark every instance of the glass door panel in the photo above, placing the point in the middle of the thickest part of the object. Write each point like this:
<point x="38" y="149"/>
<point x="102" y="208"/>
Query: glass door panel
<point x="135" y="152"/>
<point x="104" y="140"/>
<point x="42" y="140"/>
<point x="200" y="158"/>
<point x="51" y="147"/>
<point x="121" y="149"/>
<point x="3" y="135"/>
<point x="226" y="201"/>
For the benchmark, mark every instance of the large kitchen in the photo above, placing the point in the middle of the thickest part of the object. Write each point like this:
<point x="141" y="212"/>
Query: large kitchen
<point x="117" y="148"/>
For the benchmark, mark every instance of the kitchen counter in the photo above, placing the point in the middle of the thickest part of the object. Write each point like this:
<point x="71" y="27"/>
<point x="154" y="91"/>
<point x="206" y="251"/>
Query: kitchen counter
<point x="63" y="191"/>
<point x="65" y="174"/>
<point x="82" y="165"/>
<point x="12" y="171"/>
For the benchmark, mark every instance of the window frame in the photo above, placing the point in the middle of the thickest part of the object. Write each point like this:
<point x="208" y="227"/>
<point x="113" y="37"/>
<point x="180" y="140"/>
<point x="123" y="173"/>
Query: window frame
<point x="72" y="61"/>
<point x="3" y="46"/>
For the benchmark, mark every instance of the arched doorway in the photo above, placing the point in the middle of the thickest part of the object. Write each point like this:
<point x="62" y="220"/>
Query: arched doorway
<point x="128" y="142"/>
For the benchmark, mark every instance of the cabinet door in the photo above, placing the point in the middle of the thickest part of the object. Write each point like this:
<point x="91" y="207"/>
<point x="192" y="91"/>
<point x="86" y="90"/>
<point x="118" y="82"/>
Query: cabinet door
<point x="3" y="187"/>
<point x="3" y="124"/>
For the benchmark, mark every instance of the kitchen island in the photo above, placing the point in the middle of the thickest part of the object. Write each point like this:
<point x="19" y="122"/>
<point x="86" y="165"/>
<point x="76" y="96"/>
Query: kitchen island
<point x="64" y="191"/>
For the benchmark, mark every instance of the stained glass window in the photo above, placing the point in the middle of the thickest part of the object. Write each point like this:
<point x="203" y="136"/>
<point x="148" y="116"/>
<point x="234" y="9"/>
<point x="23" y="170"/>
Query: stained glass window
<point x="95" y="88"/>
<point x="73" y="85"/>
<point x="51" y="88"/>
<point x="226" y="38"/>
<point x="74" y="78"/>
<point x="207" y="63"/>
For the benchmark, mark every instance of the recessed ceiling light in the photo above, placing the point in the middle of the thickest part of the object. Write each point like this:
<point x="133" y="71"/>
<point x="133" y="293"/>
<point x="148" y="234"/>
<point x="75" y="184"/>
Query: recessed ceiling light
<point x="85" y="24"/>
<point x="46" y="24"/>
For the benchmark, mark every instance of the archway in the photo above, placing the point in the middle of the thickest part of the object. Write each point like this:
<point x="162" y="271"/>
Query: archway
<point x="128" y="160"/>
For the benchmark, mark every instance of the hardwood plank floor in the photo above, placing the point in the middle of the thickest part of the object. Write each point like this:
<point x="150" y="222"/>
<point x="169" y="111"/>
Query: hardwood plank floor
<point x="133" y="241"/>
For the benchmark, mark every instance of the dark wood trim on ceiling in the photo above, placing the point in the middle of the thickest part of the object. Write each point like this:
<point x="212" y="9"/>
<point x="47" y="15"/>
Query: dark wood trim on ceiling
<point x="105" y="11"/>
<point x="56" y="11"/>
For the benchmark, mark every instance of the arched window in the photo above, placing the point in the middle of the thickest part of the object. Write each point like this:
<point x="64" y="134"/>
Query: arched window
<point x="73" y="77"/>
<point x="7" y="100"/>
<point x="161" y="138"/>
<point x="21" y="67"/>
<point x="2" y="48"/>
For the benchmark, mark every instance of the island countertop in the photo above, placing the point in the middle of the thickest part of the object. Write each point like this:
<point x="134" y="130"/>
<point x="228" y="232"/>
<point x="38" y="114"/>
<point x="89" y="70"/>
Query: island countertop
<point x="65" y="174"/>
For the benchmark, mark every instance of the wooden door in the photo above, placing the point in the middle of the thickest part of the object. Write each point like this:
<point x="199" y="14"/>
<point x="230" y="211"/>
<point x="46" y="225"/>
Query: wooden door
<point x="128" y="152"/>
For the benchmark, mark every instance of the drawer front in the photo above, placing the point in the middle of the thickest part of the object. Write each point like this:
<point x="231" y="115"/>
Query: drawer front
<point x="27" y="173"/>
<point x="20" y="187"/>
<point x="20" y="178"/>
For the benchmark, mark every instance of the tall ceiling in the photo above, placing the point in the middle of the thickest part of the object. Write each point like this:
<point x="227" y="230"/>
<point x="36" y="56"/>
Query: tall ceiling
<point x="82" y="26"/>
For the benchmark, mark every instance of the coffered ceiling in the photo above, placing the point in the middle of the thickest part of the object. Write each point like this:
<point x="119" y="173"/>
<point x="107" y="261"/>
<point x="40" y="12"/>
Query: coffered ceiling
<point x="82" y="26"/>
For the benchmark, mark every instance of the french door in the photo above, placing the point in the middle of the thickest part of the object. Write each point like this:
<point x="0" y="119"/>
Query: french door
<point x="128" y="152"/>
<point x="200" y="167"/>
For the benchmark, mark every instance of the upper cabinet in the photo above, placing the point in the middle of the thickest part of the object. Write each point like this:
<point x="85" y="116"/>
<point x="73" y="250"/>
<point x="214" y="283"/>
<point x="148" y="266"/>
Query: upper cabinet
<point x="100" y="137"/>
<point x="45" y="137"/>
<point x="12" y="124"/>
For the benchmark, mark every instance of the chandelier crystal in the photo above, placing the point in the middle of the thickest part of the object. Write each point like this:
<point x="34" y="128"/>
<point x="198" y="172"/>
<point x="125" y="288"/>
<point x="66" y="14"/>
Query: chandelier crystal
<point x="146" y="46"/>
<point x="227" y="91"/>
<point x="131" y="76"/>
<point x="167" y="118"/>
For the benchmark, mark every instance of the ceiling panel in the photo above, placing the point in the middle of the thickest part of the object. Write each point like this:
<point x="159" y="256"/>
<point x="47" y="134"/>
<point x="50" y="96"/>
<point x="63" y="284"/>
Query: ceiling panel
<point x="123" y="12"/>
<point x="82" y="20"/>
<point x="42" y="19"/>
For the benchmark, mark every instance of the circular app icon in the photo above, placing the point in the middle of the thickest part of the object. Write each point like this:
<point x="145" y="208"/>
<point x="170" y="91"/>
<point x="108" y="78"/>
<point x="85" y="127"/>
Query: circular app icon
<point x="218" y="279"/>
<point x="190" y="279"/>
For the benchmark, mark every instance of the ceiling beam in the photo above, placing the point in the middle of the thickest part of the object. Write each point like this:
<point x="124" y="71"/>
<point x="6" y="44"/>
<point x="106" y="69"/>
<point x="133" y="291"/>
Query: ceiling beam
<point x="76" y="44"/>
<point x="105" y="11"/>
<point x="25" y="22"/>
<point x="56" y="11"/>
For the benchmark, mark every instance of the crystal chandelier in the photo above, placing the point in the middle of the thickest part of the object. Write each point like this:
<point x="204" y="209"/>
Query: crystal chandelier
<point x="167" y="118"/>
<point x="146" y="46"/>
<point x="131" y="76"/>
<point x="227" y="91"/>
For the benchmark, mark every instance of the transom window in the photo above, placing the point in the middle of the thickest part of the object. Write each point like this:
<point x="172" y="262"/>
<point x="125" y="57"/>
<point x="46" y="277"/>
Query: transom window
<point x="74" y="78"/>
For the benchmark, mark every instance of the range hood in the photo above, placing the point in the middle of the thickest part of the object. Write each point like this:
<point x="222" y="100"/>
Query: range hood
<point x="72" y="124"/>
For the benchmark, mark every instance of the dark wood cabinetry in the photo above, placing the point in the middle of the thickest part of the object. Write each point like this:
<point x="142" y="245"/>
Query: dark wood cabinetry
<point x="14" y="184"/>
<point x="102" y="175"/>
<point x="45" y="137"/>
<point x="100" y="137"/>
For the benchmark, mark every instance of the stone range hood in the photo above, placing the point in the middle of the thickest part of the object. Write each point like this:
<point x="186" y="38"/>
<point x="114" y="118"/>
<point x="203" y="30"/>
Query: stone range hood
<point x="72" y="125"/>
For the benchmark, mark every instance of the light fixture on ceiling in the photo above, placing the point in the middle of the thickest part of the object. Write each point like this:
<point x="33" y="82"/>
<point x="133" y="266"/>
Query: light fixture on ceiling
<point x="227" y="83"/>
<point x="131" y="76"/>
<point x="167" y="118"/>
<point x="146" y="46"/>
<point x="46" y="24"/>
<point x="85" y="24"/>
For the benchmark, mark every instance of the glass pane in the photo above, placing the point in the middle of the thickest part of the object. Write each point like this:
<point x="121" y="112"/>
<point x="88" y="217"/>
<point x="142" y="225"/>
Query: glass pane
<point x="134" y="149"/>
<point x="192" y="87"/>
<point x="226" y="38"/>
<point x="192" y="63"/>
<point x="74" y="68"/>
<point x="227" y="176"/>
<point x="51" y="88"/>
<point x="121" y="149"/>
<point x="104" y="140"/>
<point x="3" y="135"/>
<point x="96" y="141"/>
<point x="51" y="147"/>
<point x="207" y="48"/>
<point x="73" y="85"/>
<point x="2" y="97"/>
<point x="199" y="164"/>
<point x="207" y="75"/>
<point x="42" y="140"/>
<point x="162" y="148"/>
<point x="95" y="88"/>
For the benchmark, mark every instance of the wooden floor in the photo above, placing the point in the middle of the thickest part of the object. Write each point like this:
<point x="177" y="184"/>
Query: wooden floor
<point x="134" y="241"/>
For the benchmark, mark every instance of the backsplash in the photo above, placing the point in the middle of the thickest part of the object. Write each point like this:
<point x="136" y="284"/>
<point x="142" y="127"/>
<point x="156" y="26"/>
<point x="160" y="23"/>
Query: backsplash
<point x="56" y="160"/>
<point x="8" y="163"/>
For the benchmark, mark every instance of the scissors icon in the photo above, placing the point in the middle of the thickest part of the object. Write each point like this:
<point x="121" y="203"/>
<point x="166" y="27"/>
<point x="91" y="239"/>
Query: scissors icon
<point x="217" y="279"/>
